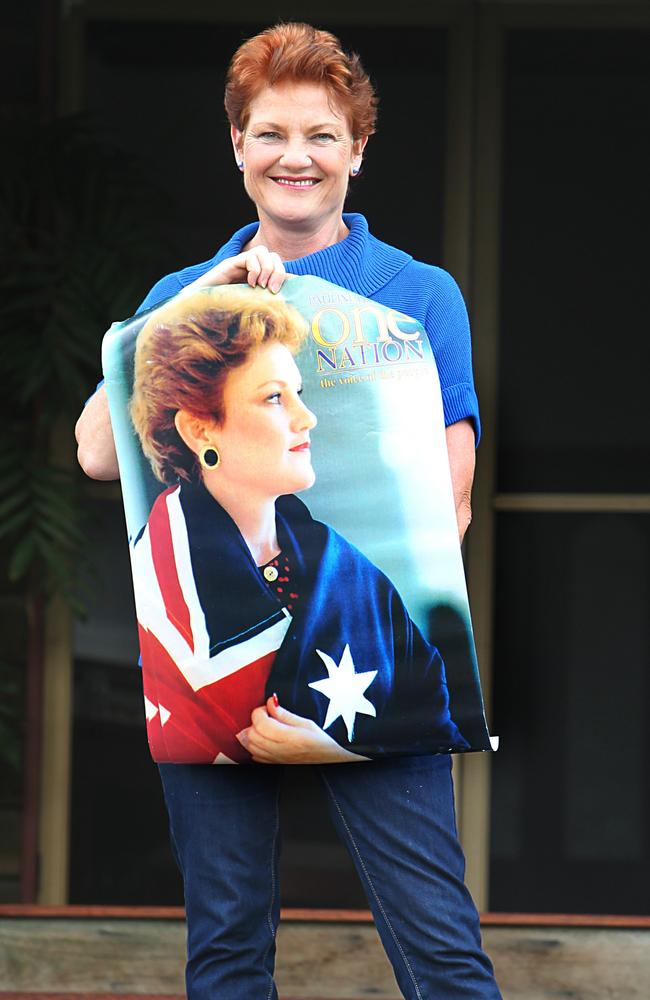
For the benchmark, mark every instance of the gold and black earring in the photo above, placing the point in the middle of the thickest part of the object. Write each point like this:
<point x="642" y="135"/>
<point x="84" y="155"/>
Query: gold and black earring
<point x="209" y="457"/>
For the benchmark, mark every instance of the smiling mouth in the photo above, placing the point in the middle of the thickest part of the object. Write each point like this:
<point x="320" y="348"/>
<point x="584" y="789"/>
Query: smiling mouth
<point x="305" y="446"/>
<point x="296" y="182"/>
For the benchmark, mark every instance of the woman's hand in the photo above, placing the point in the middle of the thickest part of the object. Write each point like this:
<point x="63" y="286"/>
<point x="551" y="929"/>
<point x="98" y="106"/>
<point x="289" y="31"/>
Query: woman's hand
<point x="257" y="266"/>
<point x="277" y="736"/>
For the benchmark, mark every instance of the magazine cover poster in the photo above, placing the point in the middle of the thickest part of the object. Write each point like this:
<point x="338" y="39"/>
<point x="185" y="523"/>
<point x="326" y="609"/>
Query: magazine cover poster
<point x="291" y="523"/>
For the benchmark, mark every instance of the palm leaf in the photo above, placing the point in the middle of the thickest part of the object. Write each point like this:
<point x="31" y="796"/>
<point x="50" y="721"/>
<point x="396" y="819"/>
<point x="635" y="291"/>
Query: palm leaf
<point x="77" y="221"/>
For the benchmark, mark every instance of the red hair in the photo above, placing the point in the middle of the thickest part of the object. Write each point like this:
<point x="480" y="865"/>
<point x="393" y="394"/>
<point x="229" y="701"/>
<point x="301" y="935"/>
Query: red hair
<point x="300" y="53"/>
<point x="183" y="356"/>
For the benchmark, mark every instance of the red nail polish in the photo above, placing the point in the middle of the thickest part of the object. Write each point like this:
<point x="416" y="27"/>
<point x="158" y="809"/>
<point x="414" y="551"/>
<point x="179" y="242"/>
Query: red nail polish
<point x="276" y="700"/>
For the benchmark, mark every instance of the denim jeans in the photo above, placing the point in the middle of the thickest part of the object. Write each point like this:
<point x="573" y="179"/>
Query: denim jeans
<point x="396" y="818"/>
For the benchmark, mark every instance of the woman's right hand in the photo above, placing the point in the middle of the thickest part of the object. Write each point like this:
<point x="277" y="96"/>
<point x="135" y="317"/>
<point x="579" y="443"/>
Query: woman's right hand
<point x="277" y="736"/>
<point x="257" y="266"/>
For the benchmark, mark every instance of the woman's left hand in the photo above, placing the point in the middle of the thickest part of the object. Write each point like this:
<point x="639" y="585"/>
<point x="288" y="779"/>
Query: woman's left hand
<point x="277" y="736"/>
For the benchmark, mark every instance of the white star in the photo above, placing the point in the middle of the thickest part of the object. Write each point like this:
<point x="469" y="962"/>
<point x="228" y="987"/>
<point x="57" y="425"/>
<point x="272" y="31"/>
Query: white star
<point x="345" y="690"/>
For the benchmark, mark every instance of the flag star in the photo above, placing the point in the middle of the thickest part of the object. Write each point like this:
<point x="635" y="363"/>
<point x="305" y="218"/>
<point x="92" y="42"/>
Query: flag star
<point x="345" y="689"/>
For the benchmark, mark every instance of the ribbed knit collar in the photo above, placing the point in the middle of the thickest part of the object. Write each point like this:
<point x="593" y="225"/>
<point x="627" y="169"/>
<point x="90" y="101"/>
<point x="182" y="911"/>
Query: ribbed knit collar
<point x="361" y="263"/>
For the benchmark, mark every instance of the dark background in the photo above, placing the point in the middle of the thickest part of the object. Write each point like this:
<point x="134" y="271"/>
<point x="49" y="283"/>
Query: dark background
<point x="570" y="819"/>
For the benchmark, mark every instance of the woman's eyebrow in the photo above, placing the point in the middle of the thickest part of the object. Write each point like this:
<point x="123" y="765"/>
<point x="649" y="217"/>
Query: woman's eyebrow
<point x="281" y="383"/>
<point x="272" y="381"/>
<point x="330" y="125"/>
<point x="312" y="128"/>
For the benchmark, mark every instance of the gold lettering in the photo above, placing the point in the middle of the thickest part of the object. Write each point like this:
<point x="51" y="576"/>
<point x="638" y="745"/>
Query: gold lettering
<point x="380" y="319"/>
<point x="398" y="348"/>
<point x="346" y="359"/>
<point x="391" y="321"/>
<point x="318" y="335"/>
<point x="330" y="361"/>
<point x="416" y="350"/>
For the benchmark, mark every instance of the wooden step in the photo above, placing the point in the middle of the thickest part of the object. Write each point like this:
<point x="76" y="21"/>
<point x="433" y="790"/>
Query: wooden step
<point x="99" y="953"/>
<point x="91" y="996"/>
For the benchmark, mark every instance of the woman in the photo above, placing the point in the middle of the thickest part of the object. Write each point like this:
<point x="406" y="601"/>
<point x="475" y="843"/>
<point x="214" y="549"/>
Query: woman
<point x="241" y="595"/>
<point x="301" y="111"/>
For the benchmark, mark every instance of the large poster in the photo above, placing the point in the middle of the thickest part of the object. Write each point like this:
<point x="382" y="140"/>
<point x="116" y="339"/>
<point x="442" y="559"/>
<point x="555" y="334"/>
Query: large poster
<point x="291" y="523"/>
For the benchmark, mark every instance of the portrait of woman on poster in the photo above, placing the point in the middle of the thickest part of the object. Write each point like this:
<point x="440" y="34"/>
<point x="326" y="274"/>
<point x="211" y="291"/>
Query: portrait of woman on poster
<point x="243" y="600"/>
<point x="301" y="111"/>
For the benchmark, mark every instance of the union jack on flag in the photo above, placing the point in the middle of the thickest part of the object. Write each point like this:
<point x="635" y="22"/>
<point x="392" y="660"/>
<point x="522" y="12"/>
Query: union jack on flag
<point x="199" y="689"/>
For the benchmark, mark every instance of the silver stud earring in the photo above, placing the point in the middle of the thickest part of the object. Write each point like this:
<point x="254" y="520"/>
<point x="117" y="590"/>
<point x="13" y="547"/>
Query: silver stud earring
<point x="355" y="170"/>
<point x="240" y="164"/>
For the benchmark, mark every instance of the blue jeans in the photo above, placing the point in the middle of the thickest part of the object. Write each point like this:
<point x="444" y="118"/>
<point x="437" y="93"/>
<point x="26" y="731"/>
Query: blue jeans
<point x="396" y="818"/>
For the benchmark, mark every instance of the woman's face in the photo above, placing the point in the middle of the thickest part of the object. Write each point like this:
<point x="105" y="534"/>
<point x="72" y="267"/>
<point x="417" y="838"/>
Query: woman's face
<point x="264" y="438"/>
<point x="298" y="151"/>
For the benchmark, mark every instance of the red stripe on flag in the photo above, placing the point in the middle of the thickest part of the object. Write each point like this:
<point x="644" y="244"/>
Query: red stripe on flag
<point x="162" y="551"/>
<point x="202" y="723"/>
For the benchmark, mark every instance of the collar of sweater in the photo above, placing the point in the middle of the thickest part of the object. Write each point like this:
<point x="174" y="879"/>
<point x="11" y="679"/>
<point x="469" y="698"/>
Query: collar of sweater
<point x="361" y="263"/>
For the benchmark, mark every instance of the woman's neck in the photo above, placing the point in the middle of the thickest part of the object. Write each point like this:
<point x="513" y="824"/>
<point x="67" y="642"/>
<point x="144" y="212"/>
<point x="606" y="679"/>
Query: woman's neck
<point x="291" y="244"/>
<point x="255" y="520"/>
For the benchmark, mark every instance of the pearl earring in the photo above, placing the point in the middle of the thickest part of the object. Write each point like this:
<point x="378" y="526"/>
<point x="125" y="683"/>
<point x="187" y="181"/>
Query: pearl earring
<point x="355" y="170"/>
<point x="240" y="164"/>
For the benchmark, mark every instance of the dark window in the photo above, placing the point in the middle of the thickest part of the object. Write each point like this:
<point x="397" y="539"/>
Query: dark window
<point x="572" y="642"/>
<point x="570" y="813"/>
<point x="574" y="350"/>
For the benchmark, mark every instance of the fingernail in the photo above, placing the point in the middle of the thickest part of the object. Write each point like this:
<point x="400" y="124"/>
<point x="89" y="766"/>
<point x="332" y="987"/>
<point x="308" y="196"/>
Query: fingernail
<point x="276" y="700"/>
<point x="242" y="737"/>
<point x="274" y="287"/>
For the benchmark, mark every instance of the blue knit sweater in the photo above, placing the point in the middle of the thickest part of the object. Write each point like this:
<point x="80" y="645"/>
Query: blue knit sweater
<point x="363" y="264"/>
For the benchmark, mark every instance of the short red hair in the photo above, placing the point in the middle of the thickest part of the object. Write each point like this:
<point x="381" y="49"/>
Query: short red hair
<point x="184" y="354"/>
<point x="298" y="52"/>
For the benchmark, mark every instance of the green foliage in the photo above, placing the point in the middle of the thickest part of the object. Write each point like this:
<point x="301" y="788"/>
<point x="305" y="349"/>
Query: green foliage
<point x="81" y="238"/>
<point x="41" y="514"/>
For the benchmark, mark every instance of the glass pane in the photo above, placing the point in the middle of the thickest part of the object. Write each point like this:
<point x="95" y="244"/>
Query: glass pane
<point x="20" y="55"/>
<point x="570" y="821"/>
<point x="574" y="351"/>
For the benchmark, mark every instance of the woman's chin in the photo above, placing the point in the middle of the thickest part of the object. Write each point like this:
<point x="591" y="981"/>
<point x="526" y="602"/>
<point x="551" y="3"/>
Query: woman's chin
<point x="305" y="483"/>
